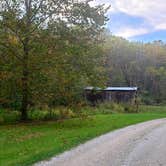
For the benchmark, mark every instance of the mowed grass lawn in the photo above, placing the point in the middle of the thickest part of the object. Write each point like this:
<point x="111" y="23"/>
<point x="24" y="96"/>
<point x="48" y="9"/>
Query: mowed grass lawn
<point x="25" y="144"/>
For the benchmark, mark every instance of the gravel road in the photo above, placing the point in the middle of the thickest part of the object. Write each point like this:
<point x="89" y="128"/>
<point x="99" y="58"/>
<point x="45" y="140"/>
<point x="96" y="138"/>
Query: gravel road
<point x="143" y="144"/>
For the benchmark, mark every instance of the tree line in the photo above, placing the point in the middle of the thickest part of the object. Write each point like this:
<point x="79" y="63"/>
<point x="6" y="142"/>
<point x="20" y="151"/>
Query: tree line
<point x="137" y="64"/>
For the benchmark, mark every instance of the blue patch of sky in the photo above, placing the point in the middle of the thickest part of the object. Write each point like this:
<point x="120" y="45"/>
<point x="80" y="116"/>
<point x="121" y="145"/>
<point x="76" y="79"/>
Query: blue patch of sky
<point x="158" y="35"/>
<point x="120" y="20"/>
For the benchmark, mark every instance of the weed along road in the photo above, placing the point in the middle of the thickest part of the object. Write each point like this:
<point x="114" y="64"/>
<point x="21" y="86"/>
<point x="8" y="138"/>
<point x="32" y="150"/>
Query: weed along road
<point x="143" y="144"/>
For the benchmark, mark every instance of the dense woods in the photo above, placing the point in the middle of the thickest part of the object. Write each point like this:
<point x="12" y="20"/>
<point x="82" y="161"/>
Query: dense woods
<point x="51" y="50"/>
<point x="137" y="64"/>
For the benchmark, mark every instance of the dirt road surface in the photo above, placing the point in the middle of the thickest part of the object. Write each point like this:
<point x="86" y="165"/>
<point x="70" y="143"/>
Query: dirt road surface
<point x="143" y="144"/>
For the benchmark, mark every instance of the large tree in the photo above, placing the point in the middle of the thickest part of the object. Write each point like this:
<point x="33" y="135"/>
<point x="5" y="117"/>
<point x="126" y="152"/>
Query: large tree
<point x="30" y="31"/>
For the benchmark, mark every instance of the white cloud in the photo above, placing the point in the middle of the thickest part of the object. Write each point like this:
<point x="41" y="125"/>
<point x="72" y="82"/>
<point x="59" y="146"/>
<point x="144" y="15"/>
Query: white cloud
<point x="161" y="26"/>
<point x="152" y="11"/>
<point x="128" y="32"/>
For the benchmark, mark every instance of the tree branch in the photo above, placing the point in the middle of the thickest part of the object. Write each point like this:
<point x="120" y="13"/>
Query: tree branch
<point x="37" y="10"/>
<point x="49" y="15"/>
<point x="8" y="6"/>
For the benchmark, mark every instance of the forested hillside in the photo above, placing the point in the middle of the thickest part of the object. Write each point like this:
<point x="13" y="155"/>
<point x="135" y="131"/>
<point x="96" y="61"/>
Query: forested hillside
<point x="137" y="64"/>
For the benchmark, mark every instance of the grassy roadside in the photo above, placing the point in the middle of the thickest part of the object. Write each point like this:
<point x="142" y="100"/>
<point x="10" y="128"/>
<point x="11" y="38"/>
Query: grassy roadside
<point x="25" y="144"/>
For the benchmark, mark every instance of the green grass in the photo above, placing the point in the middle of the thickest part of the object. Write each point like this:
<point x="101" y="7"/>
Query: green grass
<point x="25" y="144"/>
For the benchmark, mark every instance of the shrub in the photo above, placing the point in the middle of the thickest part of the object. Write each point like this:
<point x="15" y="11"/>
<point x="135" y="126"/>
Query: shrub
<point x="110" y="107"/>
<point x="64" y="113"/>
<point x="1" y="119"/>
<point x="52" y="114"/>
<point x="130" y="108"/>
<point x="118" y="107"/>
<point x="7" y="116"/>
<point x="37" y="115"/>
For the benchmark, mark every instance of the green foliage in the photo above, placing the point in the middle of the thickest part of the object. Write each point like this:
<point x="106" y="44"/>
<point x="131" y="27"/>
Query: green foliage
<point x="62" y="113"/>
<point x="46" y="59"/>
<point x="110" y="107"/>
<point x="38" y="115"/>
<point x="52" y="114"/>
<point x="147" y="99"/>
<point x="152" y="109"/>
<point x="9" y="116"/>
<point x="137" y="64"/>
<point x="129" y="108"/>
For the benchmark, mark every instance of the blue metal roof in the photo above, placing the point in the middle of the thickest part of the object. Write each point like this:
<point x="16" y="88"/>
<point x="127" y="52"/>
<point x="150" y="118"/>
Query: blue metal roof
<point x="113" y="88"/>
<point x="122" y="88"/>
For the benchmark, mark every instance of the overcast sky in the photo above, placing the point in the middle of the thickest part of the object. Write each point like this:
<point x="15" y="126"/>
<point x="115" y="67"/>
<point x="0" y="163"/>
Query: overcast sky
<point x="137" y="19"/>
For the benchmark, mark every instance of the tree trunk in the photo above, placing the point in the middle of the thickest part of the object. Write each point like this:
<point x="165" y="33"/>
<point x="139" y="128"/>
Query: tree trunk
<point x="25" y="70"/>
<point x="24" y="105"/>
<point x="25" y="88"/>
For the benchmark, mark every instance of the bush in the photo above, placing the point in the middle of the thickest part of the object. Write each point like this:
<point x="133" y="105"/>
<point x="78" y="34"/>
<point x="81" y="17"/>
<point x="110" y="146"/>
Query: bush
<point x="110" y="107"/>
<point x="37" y="115"/>
<point x="147" y="98"/>
<point x="128" y="109"/>
<point x="118" y="108"/>
<point x="7" y="116"/>
<point x="52" y="114"/>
